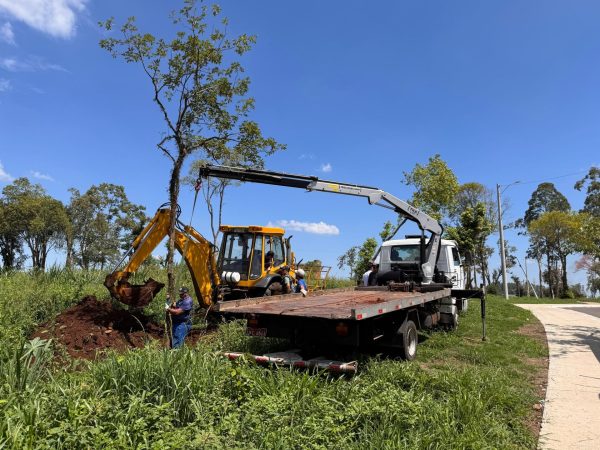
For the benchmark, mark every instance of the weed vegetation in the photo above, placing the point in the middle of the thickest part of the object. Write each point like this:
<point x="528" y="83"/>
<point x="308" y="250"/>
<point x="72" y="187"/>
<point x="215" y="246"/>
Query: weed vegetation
<point x="459" y="393"/>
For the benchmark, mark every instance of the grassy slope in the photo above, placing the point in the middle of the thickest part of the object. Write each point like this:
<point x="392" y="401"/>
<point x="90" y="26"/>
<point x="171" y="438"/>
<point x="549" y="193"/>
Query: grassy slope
<point x="460" y="393"/>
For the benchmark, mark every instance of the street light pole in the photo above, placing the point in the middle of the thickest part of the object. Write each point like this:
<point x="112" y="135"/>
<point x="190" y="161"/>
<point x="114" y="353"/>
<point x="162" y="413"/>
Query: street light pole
<point x="502" y="253"/>
<point x="501" y="229"/>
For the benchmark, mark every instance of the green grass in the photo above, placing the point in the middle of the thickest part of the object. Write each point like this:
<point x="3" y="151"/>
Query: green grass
<point x="459" y="393"/>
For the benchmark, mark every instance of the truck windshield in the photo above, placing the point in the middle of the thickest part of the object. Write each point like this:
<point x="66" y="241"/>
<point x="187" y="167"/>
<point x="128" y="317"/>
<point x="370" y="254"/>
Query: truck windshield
<point x="236" y="253"/>
<point x="404" y="253"/>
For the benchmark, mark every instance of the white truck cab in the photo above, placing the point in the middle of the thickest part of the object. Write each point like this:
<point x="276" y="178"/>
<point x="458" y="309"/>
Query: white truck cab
<point x="407" y="250"/>
<point x="399" y="259"/>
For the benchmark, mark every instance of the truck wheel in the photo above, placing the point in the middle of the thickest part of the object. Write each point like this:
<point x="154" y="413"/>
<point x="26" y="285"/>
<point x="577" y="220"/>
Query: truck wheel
<point x="409" y="339"/>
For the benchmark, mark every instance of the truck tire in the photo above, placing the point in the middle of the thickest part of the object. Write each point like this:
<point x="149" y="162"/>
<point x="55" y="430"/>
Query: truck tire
<point x="408" y="338"/>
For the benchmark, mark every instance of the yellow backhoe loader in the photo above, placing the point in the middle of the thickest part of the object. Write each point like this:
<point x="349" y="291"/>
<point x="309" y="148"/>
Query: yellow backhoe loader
<point x="247" y="264"/>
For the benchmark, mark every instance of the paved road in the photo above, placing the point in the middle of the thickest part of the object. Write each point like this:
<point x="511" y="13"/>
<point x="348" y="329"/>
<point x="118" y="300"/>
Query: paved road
<point x="572" y="408"/>
<point x="591" y="310"/>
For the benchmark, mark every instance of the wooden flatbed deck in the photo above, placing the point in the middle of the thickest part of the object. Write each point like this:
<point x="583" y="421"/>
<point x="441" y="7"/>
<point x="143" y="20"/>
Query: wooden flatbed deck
<point x="347" y="304"/>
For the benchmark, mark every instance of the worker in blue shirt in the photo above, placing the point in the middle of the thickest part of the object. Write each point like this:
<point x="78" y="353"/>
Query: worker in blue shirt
<point x="181" y="317"/>
<point x="301" y="287"/>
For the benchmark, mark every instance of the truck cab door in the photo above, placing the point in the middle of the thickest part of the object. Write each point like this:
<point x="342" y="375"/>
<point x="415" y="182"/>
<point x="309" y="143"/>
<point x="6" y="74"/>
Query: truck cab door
<point x="457" y="273"/>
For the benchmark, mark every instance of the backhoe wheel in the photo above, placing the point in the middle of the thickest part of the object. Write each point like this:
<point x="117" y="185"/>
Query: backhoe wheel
<point x="274" y="288"/>
<point x="408" y="340"/>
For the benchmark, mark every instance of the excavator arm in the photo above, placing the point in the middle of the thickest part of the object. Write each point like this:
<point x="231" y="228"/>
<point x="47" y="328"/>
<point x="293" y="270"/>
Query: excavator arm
<point x="194" y="248"/>
<point x="375" y="196"/>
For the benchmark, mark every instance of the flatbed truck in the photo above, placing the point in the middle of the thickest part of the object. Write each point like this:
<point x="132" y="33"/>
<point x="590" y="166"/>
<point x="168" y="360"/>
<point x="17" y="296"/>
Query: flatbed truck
<point x="352" y="318"/>
<point x="416" y="295"/>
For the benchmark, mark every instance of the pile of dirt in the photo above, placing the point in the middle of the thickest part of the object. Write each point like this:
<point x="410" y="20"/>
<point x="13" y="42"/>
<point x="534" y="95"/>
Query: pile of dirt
<point x="91" y="327"/>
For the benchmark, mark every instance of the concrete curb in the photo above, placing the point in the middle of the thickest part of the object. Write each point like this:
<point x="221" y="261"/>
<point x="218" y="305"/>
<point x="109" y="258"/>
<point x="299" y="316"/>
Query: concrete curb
<point x="571" y="417"/>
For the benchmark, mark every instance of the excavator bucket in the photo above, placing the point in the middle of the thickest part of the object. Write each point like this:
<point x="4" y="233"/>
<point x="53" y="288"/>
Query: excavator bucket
<point x="135" y="295"/>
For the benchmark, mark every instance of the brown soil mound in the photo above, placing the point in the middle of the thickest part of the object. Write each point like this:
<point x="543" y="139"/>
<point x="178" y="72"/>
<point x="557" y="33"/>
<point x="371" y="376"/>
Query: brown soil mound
<point x="91" y="327"/>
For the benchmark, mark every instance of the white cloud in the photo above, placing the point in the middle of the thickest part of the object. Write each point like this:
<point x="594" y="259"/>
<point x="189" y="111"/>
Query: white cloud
<point x="309" y="227"/>
<point x="30" y="64"/>
<point x="5" y="85"/>
<point x="326" y="168"/>
<point x="6" y="34"/>
<point x="41" y="176"/>
<point x="4" y="176"/>
<point x="55" y="17"/>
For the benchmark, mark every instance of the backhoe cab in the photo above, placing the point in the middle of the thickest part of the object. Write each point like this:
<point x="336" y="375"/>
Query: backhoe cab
<point x="250" y="259"/>
<point x="246" y="265"/>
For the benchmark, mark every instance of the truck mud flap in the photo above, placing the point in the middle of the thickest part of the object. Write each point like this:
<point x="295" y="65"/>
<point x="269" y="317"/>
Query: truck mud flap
<point x="292" y="359"/>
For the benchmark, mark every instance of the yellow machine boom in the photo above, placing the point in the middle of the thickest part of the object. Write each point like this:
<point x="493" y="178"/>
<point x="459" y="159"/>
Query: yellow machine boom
<point x="193" y="247"/>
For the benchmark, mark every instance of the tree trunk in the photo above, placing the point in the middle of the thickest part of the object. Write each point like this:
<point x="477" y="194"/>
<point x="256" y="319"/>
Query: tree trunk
<point x="468" y="281"/>
<point x="221" y="199"/>
<point x="69" y="259"/>
<point x="539" y="262"/>
<point x="173" y="197"/>
<point x="43" y="255"/>
<point x="485" y="275"/>
<point x="563" y="263"/>
<point x="35" y="253"/>
<point x="8" y="250"/>
<point x="550" y="274"/>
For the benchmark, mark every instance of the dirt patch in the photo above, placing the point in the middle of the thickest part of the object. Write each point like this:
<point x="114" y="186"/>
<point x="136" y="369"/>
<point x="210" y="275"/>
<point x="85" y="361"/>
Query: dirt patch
<point x="534" y="330"/>
<point x="538" y="375"/>
<point x="90" y="328"/>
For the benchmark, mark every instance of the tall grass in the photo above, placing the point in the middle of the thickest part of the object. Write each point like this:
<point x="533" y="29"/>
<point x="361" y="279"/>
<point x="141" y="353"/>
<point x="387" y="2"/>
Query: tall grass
<point x="459" y="393"/>
<point x="194" y="398"/>
<point x="27" y="299"/>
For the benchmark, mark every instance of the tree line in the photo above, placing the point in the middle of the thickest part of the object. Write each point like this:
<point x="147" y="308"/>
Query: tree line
<point x="469" y="215"/>
<point x="92" y="229"/>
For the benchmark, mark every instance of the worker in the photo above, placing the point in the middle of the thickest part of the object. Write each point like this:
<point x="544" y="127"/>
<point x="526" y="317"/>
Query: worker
<point x="366" y="275"/>
<point x="281" y="287"/>
<point x="301" y="287"/>
<point x="269" y="260"/>
<point x="181" y="317"/>
<point x="372" y="280"/>
<point x="286" y="280"/>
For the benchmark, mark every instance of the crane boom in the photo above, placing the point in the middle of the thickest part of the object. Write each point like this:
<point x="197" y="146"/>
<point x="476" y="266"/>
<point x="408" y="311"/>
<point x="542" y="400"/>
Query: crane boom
<point x="374" y="196"/>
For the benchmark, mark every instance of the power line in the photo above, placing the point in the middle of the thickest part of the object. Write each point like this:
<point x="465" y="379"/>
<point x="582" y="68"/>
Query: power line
<point x="541" y="180"/>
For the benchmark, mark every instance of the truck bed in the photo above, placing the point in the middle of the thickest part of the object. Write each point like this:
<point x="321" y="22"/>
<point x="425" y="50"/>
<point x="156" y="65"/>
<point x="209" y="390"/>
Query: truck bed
<point x="346" y="304"/>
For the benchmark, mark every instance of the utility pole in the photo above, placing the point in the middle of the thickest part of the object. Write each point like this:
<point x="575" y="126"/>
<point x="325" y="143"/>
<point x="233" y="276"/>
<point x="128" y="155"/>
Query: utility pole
<point x="501" y="229"/>
<point x="502" y="253"/>
<point x="527" y="282"/>
<point x="526" y="277"/>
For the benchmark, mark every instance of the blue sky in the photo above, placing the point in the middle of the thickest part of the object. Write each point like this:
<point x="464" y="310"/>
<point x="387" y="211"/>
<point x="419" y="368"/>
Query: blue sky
<point x="359" y="92"/>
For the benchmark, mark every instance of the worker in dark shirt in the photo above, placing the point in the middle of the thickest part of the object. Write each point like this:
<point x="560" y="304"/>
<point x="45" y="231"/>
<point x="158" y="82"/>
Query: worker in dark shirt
<point x="181" y="317"/>
<point x="372" y="279"/>
<point x="269" y="260"/>
<point x="283" y="286"/>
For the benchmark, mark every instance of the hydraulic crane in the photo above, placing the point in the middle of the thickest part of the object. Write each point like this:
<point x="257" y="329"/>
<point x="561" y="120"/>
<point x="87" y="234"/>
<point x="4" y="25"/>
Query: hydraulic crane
<point x="375" y="196"/>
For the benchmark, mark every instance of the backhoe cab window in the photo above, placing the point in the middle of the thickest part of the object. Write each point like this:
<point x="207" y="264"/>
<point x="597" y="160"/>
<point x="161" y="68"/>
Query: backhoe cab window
<point x="275" y="244"/>
<point x="257" y="259"/>
<point x="404" y="253"/>
<point x="236" y="253"/>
